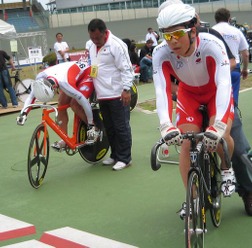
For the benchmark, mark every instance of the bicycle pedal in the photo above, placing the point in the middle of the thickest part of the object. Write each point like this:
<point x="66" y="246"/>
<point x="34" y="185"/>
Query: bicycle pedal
<point x="58" y="149"/>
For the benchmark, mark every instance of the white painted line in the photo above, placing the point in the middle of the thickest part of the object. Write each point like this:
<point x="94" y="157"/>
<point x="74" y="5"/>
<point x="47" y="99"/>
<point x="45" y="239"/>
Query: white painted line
<point x="74" y="238"/>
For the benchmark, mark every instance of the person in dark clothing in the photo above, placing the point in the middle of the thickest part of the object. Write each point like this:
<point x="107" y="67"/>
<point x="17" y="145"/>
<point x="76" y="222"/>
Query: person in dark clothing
<point x="5" y="81"/>
<point x="133" y="55"/>
<point x="146" y="61"/>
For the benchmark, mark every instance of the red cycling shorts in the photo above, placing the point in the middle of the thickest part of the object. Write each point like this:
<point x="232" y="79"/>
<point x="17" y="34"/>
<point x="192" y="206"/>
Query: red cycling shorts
<point x="188" y="103"/>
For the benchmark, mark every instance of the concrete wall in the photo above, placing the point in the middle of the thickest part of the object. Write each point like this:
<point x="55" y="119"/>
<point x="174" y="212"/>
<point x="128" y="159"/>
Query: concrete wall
<point x="131" y="24"/>
<point x="133" y="29"/>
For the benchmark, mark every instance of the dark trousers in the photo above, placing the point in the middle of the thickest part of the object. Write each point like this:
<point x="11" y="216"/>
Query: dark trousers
<point x="116" y="118"/>
<point x="5" y="82"/>
<point x="242" y="169"/>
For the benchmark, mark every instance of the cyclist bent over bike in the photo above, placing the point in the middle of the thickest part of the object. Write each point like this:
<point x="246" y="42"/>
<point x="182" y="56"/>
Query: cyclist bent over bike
<point x="76" y="86"/>
<point x="200" y="63"/>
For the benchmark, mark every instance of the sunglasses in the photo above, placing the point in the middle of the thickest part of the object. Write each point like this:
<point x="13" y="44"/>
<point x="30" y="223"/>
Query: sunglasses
<point x="176" y="34"/>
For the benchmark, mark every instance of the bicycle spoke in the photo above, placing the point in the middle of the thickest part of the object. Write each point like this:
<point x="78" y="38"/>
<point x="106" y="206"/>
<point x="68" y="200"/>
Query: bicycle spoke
<point x="194" y="227"/>
<point x="38" y="156"/>
<point x="96" y="152"/>
<point x="216" y="195"/>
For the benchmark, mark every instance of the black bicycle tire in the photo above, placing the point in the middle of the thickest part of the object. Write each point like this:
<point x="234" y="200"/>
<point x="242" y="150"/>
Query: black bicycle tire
<point x="194" y="219"/>
<point x="22" y="96"/>
<point x="216" y="194"/>
<point x="94" y="153"/>
<point x="134" y="96"/>
<point x="37" y="158"/>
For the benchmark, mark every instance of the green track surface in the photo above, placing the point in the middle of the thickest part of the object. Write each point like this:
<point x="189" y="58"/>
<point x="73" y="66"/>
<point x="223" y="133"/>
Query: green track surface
<point x="136" y="206"/>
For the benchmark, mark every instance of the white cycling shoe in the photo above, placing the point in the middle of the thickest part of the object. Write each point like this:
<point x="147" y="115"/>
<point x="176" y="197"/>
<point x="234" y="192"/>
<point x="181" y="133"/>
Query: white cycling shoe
<point x="228" y="182"/>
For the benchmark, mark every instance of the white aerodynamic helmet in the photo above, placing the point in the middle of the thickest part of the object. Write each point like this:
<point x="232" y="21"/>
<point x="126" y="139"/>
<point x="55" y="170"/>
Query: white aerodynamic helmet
<point x="43" y="90"/>
<point x="168" y="3"/>
<point x="175" y="14"/>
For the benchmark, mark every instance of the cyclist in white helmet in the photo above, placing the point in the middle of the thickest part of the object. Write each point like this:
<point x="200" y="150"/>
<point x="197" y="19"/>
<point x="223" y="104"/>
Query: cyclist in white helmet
<point x="75" y="85"/>
<point x="200" y="63"/>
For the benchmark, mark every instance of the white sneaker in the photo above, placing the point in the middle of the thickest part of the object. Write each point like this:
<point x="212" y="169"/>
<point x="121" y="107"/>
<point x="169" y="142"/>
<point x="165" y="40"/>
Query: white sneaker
<point x="92" y="136"/>
<point x="120" y="165"/>
<point x="228" y="182"/>
<point x="108" y="161"/>
<point x="59" y="146"/>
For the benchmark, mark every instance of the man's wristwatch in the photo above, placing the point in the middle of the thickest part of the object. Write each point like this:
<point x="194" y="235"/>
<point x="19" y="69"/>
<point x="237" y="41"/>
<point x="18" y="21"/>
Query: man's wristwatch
<point x="126" y="90"/>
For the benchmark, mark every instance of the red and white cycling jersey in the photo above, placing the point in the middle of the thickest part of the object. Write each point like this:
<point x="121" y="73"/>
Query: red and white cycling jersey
<point x="204" y="79"/>
<point x="73" y="78"/>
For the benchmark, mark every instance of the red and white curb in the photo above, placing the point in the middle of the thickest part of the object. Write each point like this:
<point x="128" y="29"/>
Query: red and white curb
<point x="13" y="228"/>
<point x="65" y="237"/>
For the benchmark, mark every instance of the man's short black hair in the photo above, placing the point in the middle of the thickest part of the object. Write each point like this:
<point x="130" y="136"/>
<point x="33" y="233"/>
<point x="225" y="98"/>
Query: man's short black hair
<point x="97" y="24"/>
<point x="59" y="34"/>
<point x="222" y="15"/>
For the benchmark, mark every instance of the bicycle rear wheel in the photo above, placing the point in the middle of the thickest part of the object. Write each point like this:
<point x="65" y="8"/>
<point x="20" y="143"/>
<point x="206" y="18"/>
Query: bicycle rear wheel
<point x="134" y="96"/>
<point x="216" y="194"/>
<point x="38" y="156"/>
<point x="23" y="89"/>
<point x="93" y="153"/>
<point x="195" y="215"/>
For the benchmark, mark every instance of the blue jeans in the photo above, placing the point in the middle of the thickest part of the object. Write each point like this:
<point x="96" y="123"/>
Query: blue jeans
<point x="6" y="83"/>
<point x="236" y="79"/>
<point x="145" y="67"/>
<point x="116" y="119"/>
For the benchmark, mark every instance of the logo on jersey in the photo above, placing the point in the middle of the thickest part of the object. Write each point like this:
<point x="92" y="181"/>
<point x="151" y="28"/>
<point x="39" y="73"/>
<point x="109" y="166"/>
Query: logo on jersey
<point x="190" y="119"/>
<point x="84" y="88"/>
<point x="198" y="61"/>
<point x="224" y="63"/>
<point x="179" y="64"/>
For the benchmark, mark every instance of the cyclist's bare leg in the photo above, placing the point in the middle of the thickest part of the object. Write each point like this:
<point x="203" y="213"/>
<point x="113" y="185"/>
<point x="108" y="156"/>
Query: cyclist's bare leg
<point x="184" y="157"/>
<point x="63" y="116"/>
<point x="78" y="110"/>
<point x="229" y="140"/>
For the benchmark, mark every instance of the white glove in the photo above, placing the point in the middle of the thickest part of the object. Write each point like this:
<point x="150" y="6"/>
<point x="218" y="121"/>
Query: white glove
<point x="170" y="134"/>
<point x="21" y="119"/>
<point x="213" y="134"/>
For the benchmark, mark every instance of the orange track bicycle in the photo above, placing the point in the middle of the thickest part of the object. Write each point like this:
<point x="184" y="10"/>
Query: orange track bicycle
<point x="38" y="154"/>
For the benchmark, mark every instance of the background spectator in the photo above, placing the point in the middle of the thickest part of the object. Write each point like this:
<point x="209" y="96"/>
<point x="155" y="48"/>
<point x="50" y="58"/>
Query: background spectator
<point x="61" y="49"/>
<point x="5" y="81"/>
<point x="152" y="35"/>
<point x="146" y="61"/>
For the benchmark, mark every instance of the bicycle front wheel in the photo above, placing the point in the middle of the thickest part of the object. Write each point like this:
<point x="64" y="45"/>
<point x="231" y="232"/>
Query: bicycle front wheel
<point x="216" y="194"/>
<point x="23" y="89"/>
<point x="195" y="213"/>
<point x="38" y="156"/>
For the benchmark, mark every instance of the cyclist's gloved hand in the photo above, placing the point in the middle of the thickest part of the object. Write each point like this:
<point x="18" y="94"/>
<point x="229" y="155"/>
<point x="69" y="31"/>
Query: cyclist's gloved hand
<point x="21" y="119"/>
<point x="171" y="134"/>
<point x="213" y="134"/>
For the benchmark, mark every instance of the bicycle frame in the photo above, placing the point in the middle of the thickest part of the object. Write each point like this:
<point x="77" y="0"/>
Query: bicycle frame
<point x="71" y="141"/>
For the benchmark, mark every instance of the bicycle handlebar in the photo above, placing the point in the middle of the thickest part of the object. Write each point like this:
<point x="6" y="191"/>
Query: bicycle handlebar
<point x="34" y="105"/>
<point x="155" y="165"/>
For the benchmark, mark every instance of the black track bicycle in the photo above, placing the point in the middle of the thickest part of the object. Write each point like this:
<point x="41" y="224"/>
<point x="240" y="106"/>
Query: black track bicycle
<point x="203" y="187"/>
<point x="21" y="87"/>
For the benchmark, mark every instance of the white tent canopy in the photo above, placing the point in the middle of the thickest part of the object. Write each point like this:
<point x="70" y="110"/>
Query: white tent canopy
<point x="7" y="31"/>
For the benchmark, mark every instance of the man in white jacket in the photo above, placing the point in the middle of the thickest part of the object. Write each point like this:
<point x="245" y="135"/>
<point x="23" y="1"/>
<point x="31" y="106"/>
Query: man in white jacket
<point x="112" y="75"/>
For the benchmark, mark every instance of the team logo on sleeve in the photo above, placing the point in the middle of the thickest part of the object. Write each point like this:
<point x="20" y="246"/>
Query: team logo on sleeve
<point x="179" y="64"/>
